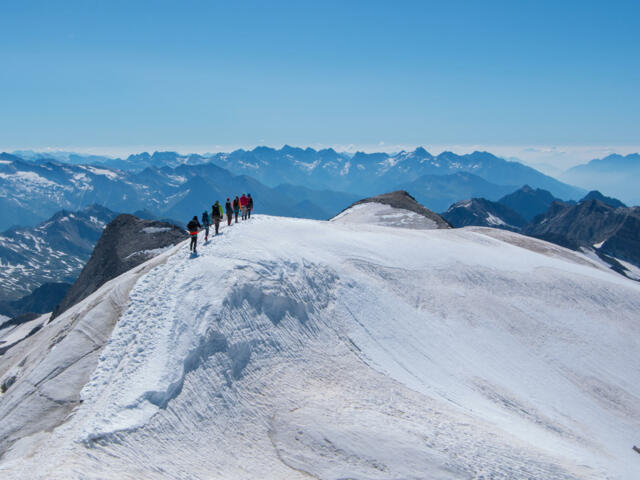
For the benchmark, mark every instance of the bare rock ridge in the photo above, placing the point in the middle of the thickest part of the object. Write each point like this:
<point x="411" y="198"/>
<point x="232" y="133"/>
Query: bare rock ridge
<point x="401" y="199"/>
<point x="126" y="242"/>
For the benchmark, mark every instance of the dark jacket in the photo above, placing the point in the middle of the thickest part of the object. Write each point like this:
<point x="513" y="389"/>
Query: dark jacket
<point x="193" y="226"/>
<point x="228" y="207"/>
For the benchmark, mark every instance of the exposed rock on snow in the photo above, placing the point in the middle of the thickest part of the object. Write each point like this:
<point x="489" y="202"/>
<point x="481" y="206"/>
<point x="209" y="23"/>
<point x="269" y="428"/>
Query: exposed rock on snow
<point x="295" y="348"/>
<point x="126" y="242"/>
<point x="395" y="209"/>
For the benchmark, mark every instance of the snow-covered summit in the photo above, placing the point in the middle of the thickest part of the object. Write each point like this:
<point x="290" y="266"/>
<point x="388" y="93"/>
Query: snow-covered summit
<point x="296" y="348"/>
<point x="395" y="209"/>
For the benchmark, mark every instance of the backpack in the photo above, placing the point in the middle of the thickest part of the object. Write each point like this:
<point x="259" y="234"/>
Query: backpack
<point x="192" y="226"/>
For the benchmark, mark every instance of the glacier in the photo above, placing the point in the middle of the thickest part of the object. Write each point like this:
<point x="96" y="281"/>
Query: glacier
<point x="291" y="348"/>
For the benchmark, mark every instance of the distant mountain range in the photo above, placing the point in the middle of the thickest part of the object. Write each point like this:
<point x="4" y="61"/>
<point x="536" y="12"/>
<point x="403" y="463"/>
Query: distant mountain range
<point x="54" y="251"/>
<point x="359" y="173"/>
<point x="617" y="175"/>
<point x="437" y="192"/>
<point x="370" y="173"/>
<point x="32" y="191"/>
<point x="288" y="181"/>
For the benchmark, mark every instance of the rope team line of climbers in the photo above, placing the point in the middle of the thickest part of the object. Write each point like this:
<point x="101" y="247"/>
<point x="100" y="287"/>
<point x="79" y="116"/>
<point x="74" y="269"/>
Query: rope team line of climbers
<point x="242" y="204"/>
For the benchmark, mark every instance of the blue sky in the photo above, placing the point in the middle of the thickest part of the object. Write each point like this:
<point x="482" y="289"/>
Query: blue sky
<point x="203" y="75"/>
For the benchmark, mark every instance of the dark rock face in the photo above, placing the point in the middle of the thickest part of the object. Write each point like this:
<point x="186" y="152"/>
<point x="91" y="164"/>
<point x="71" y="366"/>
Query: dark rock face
<point x="596" y="195"/>
<point x="625" y="242"/>
<point x="402" y="199"/>
<point x="125" y="243"/>
<point x="483" y="213"/>
<point x="591" y="224"/>
<point x="42" y="300"/>
<point x="528" y="202"/>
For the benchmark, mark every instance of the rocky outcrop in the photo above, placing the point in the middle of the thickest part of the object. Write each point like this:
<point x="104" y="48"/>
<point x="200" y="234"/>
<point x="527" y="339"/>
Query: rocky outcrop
<point x="402" y="200"/>
<point x="125" y="243"/>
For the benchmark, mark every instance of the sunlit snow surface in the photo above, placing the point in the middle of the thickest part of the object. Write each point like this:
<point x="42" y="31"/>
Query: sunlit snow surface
<point x="380" y="214"/>
<point x="302" y="349"/>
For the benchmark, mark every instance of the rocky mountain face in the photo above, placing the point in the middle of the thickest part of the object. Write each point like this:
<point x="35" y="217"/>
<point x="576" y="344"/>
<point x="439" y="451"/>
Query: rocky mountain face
<point x="528" y="202"/>
<point x="483" y="213"/>
<point x="592" y="225"/>
<point x="54" y="251"/>
<point x="126" y="242"/>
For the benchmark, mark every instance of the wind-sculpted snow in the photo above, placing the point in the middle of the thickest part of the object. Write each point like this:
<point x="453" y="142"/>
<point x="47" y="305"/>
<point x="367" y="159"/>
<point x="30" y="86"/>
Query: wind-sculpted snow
<point x="303" y="349"/>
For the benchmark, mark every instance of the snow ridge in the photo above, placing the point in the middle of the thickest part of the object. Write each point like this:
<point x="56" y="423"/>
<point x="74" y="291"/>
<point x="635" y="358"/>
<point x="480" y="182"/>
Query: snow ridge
<point x="293" y="348"/>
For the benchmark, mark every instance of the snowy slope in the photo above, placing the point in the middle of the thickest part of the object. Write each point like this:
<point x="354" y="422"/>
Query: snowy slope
<point x="384" y="215"/>
<point x="296" y="348"/>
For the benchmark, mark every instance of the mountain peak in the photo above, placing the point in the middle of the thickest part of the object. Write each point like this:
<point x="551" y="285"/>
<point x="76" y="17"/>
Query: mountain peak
<point x="420" y="151"/>
<point x="596" y="195"/>
<point x="397" y="201"/>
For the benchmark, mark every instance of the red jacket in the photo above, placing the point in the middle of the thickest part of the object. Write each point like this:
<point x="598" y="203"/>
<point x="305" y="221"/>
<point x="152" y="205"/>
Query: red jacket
<point x="244" y="201"/>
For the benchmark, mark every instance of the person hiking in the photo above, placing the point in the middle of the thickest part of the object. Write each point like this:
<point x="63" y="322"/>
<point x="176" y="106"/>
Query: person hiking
<point x="205" y="224"/>
<point x="216" y="215"/>
<point x="236" y="207"/>
<point x="243" y="205"/>
<point x="229" y="209"/>
<point x="249" y="205"/>
<point x="192" y="228"/>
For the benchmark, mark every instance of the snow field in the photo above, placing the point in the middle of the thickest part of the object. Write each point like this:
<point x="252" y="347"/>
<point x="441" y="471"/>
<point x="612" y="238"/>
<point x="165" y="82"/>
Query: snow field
<point x="293" y="348"/>
<point x="386" y="215"/>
